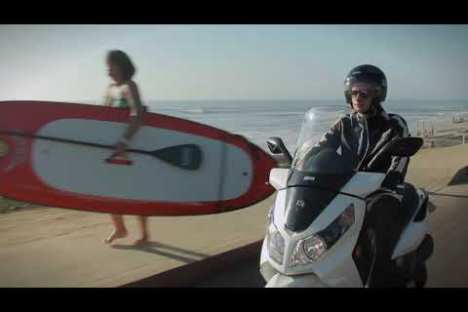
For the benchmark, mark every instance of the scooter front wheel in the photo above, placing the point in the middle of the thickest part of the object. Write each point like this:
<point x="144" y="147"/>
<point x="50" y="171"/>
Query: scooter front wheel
<point x="420" y="276"/>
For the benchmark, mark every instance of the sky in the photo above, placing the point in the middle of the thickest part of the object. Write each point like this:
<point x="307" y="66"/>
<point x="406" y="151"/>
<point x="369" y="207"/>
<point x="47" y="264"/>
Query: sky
<point x="198" y="62"/>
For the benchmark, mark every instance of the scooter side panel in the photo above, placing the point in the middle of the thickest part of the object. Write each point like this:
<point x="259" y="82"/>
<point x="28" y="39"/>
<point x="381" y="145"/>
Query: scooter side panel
<point x="364" y="183"/>
<point x="279" y="178"/>
<point x="414" y="233"/>
<point x="336" y="268"/>
<point x="411" y="238"/>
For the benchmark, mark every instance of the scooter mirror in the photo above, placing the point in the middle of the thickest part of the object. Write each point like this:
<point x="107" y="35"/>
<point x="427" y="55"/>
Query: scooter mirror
<point x="275" y="145"/>
<point x="280" y="152"/>
<point x="405" y="147"/>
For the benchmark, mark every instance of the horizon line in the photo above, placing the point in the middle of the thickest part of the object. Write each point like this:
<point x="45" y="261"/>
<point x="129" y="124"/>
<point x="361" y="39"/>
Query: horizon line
<point x="285" y="99"/>
<point x="239" y="100"/>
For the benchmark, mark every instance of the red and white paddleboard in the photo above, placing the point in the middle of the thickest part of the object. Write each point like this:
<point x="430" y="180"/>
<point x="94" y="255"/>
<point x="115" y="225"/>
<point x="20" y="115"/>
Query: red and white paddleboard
<point x="57" y="154"/>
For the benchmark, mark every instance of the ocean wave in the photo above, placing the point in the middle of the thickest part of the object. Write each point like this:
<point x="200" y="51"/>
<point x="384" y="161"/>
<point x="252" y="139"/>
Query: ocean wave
<point x="198" y="111"/>
<point x="202" y="110"/>
<point x="259" y="122"/>
<point x="193" y="111"/>
<point x="269" y="113"/>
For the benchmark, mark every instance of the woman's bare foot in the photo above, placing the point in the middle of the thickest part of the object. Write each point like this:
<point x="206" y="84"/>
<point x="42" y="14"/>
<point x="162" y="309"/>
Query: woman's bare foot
<point x="142" y="241"/>
<point x="114" y="235"/>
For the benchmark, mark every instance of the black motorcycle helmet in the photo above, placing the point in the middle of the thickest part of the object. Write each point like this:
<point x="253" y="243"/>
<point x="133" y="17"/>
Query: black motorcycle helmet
<point x="369" y="74"/>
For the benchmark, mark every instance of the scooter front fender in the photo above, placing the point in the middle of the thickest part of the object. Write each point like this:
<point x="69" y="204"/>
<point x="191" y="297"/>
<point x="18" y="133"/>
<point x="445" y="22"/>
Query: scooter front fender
<point x="295" y="281"/>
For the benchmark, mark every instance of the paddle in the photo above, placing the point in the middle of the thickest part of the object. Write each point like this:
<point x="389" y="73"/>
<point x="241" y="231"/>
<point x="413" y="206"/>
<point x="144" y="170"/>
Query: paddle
<point x="185" y="156"/>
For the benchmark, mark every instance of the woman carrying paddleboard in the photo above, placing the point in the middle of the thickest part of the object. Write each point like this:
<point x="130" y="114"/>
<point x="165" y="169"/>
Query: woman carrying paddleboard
<point x="123" y="92"/>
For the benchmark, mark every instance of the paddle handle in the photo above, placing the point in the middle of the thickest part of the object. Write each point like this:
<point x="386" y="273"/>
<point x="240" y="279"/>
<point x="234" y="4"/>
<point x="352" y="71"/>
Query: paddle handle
<point x="69" y="141"/>
<point x="194" y="165"/>
<point x="118" y="161"/>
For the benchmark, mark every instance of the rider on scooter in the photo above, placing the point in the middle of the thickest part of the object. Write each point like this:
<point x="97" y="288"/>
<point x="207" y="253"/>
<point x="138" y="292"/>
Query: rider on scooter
<point x="368" y="127"/>
<point x="363" y="132"/>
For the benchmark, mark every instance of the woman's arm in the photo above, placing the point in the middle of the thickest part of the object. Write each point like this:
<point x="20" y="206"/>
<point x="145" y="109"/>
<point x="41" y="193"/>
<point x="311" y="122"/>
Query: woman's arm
<point x="136" y="117"/>
<point x="107" y="97"/>
<point x="136" y="111"/>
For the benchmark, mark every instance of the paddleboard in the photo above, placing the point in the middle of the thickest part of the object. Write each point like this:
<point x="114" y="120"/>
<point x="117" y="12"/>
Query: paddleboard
<point x="59" y="155"/>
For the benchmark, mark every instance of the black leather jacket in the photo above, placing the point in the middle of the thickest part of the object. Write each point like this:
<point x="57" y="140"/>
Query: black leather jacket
<point x="365" y="135"/>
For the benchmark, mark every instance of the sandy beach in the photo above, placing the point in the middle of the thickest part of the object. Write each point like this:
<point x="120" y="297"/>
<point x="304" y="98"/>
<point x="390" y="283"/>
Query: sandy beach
<point x="61" y="247"/>
<point x="443" y="132"/>
<point x="44" y="246"/>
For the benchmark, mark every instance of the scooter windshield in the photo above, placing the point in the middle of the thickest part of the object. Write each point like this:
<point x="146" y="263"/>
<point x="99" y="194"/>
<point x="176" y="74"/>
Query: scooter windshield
<point x="318" y="173"/>
<point x="316" y="160"/>
<point x="322" y="168"/>
<point x="317" y="156"/>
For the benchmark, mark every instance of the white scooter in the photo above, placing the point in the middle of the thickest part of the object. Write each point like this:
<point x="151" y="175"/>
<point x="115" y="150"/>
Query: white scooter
<point x="316" y="235"/>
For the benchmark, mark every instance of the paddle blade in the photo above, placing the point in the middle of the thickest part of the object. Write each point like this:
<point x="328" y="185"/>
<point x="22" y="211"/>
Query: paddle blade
<point x="187" y="156"/>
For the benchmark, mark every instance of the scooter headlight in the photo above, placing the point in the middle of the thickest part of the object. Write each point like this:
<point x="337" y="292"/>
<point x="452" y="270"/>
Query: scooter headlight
<point x="313" y="247"/>
<point x="275" y="244"/>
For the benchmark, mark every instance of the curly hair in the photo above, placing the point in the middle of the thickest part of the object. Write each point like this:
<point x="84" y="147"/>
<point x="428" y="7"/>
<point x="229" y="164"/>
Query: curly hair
<point x="122" y="60"/>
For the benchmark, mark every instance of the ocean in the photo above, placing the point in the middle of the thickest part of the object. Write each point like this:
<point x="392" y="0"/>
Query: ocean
<point x="257" y="120"/>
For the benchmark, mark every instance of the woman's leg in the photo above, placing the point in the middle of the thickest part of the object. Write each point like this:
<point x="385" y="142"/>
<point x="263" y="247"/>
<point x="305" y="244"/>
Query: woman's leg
<point x="143" y="223"/>
<point x="119" y="228"/>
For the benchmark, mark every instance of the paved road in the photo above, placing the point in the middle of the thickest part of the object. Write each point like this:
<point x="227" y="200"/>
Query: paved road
<point x="245" y="274"/>
<point x="448" y="266"/>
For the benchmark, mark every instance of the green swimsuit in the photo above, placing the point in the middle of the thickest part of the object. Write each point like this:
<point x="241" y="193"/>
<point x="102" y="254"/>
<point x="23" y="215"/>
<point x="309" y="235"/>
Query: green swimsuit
<point x="120" y="96"/>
